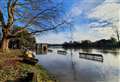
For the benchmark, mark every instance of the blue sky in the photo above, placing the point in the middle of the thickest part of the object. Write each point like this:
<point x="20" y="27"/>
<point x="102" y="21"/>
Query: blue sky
<point x="93" y="20"/>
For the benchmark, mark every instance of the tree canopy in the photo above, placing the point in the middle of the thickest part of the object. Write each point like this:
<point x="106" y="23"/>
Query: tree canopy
<point x="34" y="15"/>
<point x="22" y="39"/>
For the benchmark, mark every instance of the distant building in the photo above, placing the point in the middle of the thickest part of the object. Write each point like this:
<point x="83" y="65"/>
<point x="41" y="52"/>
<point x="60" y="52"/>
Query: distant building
<point x="41" y="48"/>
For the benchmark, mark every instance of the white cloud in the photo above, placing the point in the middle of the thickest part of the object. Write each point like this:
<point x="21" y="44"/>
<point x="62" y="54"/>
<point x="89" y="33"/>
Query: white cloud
<point x="108" y="11"/>
<point x="75" y="11"/>
<point x="82" y="6"/>
<point x="52" y="38"/>
<point x="111" y="1"/>
<point x="80" y="33"/>
<point x="86" y="33"/>
<point x="107" y="31"/>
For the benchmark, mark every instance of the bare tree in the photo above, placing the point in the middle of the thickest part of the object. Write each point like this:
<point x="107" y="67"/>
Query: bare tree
<point x="116" y="32"/>
<point x="34" y="15"/>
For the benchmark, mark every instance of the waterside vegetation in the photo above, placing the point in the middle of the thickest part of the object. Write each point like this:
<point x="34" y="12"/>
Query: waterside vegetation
<point x="103" y="44"/>
<point x="12" y="70"/>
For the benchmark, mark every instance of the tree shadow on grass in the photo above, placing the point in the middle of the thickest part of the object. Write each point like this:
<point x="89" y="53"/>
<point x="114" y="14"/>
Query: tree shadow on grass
<point x="28" y="78"/>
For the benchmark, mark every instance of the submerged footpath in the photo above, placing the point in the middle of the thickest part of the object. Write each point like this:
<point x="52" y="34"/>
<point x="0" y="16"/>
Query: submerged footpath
<point x="13" y="70"/>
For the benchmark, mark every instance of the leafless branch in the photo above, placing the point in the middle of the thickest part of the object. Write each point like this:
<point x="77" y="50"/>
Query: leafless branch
<point x="11" y="9"/>
<point x="48" y="29"/>
<point x="34" y="17"/>
<point x="2" y="19"/>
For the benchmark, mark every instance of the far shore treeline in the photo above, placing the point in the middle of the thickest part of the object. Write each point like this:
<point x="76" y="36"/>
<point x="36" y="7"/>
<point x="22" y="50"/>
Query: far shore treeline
<point x="103" y="43"/>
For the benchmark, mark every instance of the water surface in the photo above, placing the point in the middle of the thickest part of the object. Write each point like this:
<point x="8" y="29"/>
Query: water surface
<point x="72" y="68"/>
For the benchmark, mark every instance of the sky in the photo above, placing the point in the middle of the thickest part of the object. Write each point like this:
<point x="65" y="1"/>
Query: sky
<point x="92" y="20"/>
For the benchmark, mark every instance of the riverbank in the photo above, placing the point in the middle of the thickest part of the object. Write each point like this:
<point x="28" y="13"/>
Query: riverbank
<point x="12" y="70"/>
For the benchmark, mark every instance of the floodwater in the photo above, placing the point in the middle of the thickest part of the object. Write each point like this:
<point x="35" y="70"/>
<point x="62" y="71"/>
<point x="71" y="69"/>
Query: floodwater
<point x="70" y="67"/>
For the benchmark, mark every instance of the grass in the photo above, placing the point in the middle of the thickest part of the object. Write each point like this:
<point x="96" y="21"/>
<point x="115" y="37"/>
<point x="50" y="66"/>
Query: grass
<point x="11" y="69"/>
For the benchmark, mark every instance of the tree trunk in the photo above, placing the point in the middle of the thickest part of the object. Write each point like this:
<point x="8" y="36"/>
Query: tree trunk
<point x="5" y="43"/>
<point x="5" y="39"/>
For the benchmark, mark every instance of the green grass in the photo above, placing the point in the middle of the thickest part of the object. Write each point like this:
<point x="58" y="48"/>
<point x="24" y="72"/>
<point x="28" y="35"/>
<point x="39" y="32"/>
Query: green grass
<point x="11" y="69"/>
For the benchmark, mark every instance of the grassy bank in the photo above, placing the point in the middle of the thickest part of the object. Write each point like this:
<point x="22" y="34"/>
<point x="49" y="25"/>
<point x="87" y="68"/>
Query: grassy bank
<point x="11" y="69"/>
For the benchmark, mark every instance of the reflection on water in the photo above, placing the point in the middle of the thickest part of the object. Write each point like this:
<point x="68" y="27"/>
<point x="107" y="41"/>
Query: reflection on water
<point x="87" y="50"/>
<point x="72" y="68"/>
<point x="112" y="51"/>
<point x="93" y="57"/>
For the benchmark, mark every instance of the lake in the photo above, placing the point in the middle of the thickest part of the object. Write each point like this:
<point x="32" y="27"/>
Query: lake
<point x="71" y="67"/>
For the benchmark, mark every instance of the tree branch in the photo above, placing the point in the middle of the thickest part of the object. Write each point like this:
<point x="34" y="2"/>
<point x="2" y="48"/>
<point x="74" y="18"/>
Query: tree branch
<point x="39" y="31"/>
<point x="33" y="18"/>
<point x="2" y="19"/>
<point x="11" y="9"/>
<point x="19" y="31"/>
<point x="48" y="29"/>
<point x="13" y="35"/>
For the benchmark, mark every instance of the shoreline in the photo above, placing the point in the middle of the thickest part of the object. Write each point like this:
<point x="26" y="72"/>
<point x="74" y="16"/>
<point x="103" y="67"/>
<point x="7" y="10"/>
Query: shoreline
<point x="12" y="70"/>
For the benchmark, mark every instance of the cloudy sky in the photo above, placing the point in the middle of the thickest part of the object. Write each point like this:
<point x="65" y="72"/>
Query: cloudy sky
<point x="93" y="20"/>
